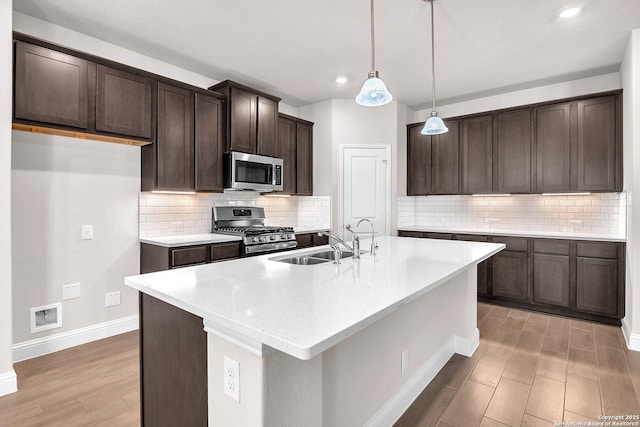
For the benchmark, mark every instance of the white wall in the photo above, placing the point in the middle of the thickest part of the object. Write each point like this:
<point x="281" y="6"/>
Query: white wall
<point x="630" y="74"/>
<point x="8" y="382"/>
<point x="568" y="89"/>
<point x="342" y="121"/>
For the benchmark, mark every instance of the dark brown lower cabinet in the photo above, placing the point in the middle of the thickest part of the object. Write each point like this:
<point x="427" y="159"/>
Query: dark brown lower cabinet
<point x="307" y="240"/>
<point x="173" y="366"/>
<point x="509" y="275"/>
<point x="158" y="258"/>
<point x="551" y="279"/>
<point x="594" y="292"/>
<point x="581" y="279"/>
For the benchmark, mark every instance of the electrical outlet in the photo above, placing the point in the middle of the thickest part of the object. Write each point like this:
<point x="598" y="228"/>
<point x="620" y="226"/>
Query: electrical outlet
<point x="112" y="298"/>
<point x="404" y="360"/>
<point x="87" y="232"/>
<point x="232" y="378"/>
<point x="71" y="291"/>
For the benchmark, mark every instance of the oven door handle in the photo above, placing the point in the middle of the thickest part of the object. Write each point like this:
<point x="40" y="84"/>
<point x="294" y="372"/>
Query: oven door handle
<point x="270" y="247"/>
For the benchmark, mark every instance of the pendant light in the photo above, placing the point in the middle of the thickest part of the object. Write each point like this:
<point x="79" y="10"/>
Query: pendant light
<point x="435" y="125"/>
<point x="374" y="92"/>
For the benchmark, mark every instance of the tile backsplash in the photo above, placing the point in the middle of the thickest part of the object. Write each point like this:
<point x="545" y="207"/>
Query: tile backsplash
<point x="174" y="214"/>
<point x="597" y="213"/>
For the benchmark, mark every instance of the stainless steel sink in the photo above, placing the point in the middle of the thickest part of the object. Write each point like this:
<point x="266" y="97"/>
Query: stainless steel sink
<point x="313" y="257"/>
<point x="302" y="260"/>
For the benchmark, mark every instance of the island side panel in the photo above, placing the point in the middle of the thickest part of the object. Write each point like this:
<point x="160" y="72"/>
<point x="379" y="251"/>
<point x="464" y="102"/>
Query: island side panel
<point x="173" y="366"/>
<point x="362" y="379"/>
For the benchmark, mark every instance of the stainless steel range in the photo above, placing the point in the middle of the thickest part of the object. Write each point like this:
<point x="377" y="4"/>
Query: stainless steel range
<point x="248" y="222"/>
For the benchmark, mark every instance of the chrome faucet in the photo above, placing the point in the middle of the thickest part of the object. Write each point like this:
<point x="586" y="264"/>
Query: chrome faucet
<point x="337" y="253"/>
<point x="374" y="245"/>
<point x="356" y="242"/>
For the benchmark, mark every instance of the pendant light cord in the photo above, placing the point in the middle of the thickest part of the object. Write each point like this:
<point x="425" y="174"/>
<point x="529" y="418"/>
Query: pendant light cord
<point x="373" y="41"/>
<point x="433" y="58"/>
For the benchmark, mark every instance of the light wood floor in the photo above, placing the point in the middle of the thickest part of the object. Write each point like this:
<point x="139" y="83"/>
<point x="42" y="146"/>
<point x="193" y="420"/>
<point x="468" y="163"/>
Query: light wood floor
<point x="95" y="384"/>
<point x="530" y="370"/>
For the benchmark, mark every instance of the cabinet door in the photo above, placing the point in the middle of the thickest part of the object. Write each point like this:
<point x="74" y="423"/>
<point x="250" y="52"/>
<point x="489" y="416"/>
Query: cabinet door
<point x="267" y="127"/>
<point x="477" y="155"/>
<point x="123" y="103"/>
<point x="509" y="275"/>
<point x="553" y="148"/>
<point x="551" y="279"/>
<point x="242" y="120"/>
<point x="418" y="162"/>
<point x="445" y="149"/>
<point x="175" y="142"/>
<point x="287" y="152"/>
<point x="209" y="143"/>
<point x="50" y="87"/>
<point x="513" y="152"/>
<point x="596" y="144"/>
<point x="483" y="267"/>
<point x="597" y="286"/>
<point x="304" y="159"/>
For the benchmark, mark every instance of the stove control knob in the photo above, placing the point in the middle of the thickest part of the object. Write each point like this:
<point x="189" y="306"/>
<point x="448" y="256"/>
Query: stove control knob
<point x="273" y="237"/>
<point x="263" y="239"/>
<point x="254" y="240"/>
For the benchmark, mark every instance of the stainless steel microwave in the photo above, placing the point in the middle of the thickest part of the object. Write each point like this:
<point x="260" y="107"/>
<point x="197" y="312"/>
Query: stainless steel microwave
<point x="252" y="172"/>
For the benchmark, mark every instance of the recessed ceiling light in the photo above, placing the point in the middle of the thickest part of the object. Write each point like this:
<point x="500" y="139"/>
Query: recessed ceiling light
<point x="341" y="80"/>
<point x="569" y="11"/>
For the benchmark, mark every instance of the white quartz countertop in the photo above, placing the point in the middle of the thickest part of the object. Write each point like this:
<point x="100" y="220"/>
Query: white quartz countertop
<point x="303" y="310"/>
<point x="541" y="234"/>
<point x="206" y="238"/>
<point x="190" y="239"/>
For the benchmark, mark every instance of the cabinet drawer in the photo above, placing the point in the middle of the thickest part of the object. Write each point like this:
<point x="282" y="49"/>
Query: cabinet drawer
<point x="472" y="238"/>
<point x="225" y="251"/>
<point x="513" y="243"/>
<point x="553" y="247"/>
<point x="304" y="240"/>
<point x="598" y="250"/>
<point x="410" y="234"/>
<point x="188" y="256"/>
<point x="443" y="236"/>
<point x="319" y="240"/>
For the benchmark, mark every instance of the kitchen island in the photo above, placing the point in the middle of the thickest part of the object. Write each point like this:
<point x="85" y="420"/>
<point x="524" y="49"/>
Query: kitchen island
<point x="321" y="344"/>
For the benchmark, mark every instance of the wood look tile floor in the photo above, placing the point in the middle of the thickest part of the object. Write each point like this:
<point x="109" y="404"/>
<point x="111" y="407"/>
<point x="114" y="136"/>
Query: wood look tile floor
<point x="530" y="370"/>
<point x="94" y="384"/>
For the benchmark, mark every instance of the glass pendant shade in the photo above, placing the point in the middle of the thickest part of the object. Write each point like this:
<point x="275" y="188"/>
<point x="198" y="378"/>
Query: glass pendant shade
<point x="374" y="92"/>
<point x="434" y="126"/>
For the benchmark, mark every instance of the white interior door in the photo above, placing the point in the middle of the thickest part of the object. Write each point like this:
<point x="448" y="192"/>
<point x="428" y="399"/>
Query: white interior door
<point x="366" y="188"/>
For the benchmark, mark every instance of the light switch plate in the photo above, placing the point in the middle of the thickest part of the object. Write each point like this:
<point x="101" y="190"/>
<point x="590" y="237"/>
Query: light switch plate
<point x="87" y="232"/>
<point x="71" y="291"/>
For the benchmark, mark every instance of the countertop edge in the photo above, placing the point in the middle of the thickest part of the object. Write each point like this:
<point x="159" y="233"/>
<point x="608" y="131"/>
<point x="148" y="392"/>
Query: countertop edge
<point x="531" y="234"/>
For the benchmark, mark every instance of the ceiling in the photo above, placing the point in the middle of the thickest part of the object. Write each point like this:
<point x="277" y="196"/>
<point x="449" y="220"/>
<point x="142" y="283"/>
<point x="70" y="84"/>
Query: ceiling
<point x="295" y="49"/>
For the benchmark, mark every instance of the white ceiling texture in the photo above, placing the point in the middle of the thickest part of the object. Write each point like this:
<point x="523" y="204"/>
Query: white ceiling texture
<point x="296" y="48"/>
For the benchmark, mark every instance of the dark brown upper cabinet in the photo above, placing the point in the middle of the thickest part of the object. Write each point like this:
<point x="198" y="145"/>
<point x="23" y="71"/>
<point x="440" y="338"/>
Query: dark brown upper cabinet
<point x="597" y="151"/>
<point x="477" y="155"/>
<point x="287" y="152"/>
<point x="513" y="151"/>
<point x="50" y="87"/>
<point x="418" y="161"/>
<point x="578" y="146"/>
<point x="304" y="159"/>
<point x="445" y="157"/>
<point x="175" y="143"/>
<point x="295" y="148"/>
<point x="123" y="102"/>
<point x="553" y="148"/>
<point x="251" y="119"/>
<point x="209" y="143"/>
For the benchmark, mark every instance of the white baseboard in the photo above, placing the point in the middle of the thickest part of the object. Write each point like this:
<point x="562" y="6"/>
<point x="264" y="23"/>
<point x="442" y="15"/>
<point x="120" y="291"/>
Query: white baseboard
<point x="52" y="343"/>
<point x="403" y="398"/>
<point x="8" y="383"/>
<point x="633" y="340"/>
